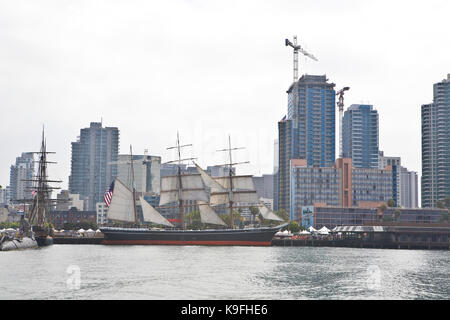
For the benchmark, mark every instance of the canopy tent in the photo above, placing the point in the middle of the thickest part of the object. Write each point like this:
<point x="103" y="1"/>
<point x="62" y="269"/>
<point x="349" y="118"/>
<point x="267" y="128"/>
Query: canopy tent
<point x="312" y="230"/>
<point x="81" y="230"/>
<point x="324" y="230"/>
<point x="305" y="232"/>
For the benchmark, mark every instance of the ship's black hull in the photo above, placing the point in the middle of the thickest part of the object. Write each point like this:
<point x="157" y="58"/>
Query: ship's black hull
<point x="44" y="241"/>
<point x="224" y="237"/>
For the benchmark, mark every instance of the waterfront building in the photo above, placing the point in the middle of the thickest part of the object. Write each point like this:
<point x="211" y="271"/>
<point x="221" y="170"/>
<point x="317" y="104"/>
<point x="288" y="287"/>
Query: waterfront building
<point x="339" y="185"/>
<point x="264" y="186"/>
<point x="395" y="164"/>
<point x="332" y="217"/>
<point x="435" y="183"/>
<point x="409" y="189"/>
<point x="4" y="196"/>
<point x="67" y="200"/>
<point x="147" y="171"/>
<point x="275" y="175"/>
<point x="93" y="166"/>
<point x="21" y="174"/>
<point x="59" y="218"/>
<point x="384" y="161"/>
<point x="307" y="132"/>
<point x="360" y="136"/>
<point x="102" y="213"/>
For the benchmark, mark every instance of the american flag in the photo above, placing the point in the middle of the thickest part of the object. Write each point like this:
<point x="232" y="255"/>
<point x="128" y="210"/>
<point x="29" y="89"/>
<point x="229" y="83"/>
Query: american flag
<point x="108" y="194"/>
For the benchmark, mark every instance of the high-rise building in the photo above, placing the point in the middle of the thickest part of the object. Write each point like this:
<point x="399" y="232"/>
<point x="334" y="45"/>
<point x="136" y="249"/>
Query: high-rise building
<point x="264" y="186"/>
<point x="360" y="136"/>
<point x="4" y="196"/>
<point x="308" y="132"/>
<point x="93" y="165"/>
<point x="20" y="177"/>
<point x="436" y="146"/>
<point x="409" y="189"/>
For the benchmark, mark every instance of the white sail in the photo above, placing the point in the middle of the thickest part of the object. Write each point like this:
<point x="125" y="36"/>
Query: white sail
<point x="122" y="204"/>
<point x="267" y="213"/>
<point x="209" y="181"/>
<point x="239" y="182"/>
<point x="151" y="215"/>
<point x="191" y="185"/>
<point x="208" y="215"/>
<point x="238" y="196"/>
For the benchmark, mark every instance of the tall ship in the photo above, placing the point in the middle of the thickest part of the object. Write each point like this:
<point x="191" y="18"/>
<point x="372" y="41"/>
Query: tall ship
<point x="206" y="192"/>
<point x="34" y="230"/>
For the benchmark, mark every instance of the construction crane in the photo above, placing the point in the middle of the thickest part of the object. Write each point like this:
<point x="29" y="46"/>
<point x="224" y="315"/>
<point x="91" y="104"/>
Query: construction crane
<point x="297" y="49"/>
<point x="340" y="105"/>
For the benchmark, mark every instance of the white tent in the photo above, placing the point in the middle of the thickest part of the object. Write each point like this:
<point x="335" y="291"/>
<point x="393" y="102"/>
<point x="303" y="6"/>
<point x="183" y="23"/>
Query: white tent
<point x="324" y="230"/>
<point x="89" y="233"/>
<point x="305" y="232"/>
<point x="312" y="230"/>
<point x="81" y="231"/>
<point x="97" y="231"/>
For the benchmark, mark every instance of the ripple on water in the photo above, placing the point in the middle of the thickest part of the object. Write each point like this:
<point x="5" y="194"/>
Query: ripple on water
<point x="197" y="272"/>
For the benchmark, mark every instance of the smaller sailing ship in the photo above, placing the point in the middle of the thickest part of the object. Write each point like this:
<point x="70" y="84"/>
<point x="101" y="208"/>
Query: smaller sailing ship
<point x="42" y="202"/>
<point x="34" y="227"/>
<point x="184" y="189"/>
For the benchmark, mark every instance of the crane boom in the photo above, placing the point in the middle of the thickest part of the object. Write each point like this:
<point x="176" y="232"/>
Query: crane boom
<point x="297" y="49"/>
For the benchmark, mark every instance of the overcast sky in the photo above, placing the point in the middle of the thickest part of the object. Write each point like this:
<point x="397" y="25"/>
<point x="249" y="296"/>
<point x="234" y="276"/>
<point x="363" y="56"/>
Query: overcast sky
<point x="209" y="69"/>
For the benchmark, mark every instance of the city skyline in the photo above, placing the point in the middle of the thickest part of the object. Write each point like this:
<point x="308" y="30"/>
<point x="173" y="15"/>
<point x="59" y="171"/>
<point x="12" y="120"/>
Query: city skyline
<point x="62" y="77"/>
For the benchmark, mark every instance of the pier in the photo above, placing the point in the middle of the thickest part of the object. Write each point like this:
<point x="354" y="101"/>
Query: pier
<point x="383" y="236"/>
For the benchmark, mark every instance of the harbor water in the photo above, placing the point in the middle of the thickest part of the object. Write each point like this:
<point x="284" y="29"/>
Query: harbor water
<point x="206" y="272"/>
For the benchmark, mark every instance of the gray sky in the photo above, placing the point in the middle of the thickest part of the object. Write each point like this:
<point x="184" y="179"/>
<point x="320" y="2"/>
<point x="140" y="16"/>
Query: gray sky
<point x="208" y="69"/>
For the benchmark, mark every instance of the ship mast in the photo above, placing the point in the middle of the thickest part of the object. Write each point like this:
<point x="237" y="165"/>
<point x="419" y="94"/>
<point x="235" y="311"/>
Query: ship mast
<point x="180" y="187"/>
<point x="42" y="201"/>
<point x="230" y="166"/>
<point x="136" y="218"/>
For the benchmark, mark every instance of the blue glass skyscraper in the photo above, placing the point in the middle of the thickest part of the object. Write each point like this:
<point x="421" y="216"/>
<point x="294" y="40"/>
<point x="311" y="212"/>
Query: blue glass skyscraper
<point x="360" y="136"/>
<point x="308" y="131"/>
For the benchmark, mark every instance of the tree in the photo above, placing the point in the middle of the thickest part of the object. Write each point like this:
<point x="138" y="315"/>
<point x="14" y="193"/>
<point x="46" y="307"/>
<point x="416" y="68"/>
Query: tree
<point x="194" y="220"/>
<point x="440" y="204"/>
<point x="444" y="217"/>
<point x="254" y="211"/>
<point x="293" y="226"/>
<point x="447" y="202"/>
<point x="283" y="214"/>
<point x="236" y="217"/>
<point x="397" y="214"/>
<point x="391" y="203"/>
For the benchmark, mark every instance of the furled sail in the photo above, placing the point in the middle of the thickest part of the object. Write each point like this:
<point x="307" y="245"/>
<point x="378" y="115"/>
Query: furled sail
<point x="122" y="204"/>
<point x="151" y="215"/>
<point x="208" y="215"/>
<point x="267" y="213"/>
<point x="191" y="188"/>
